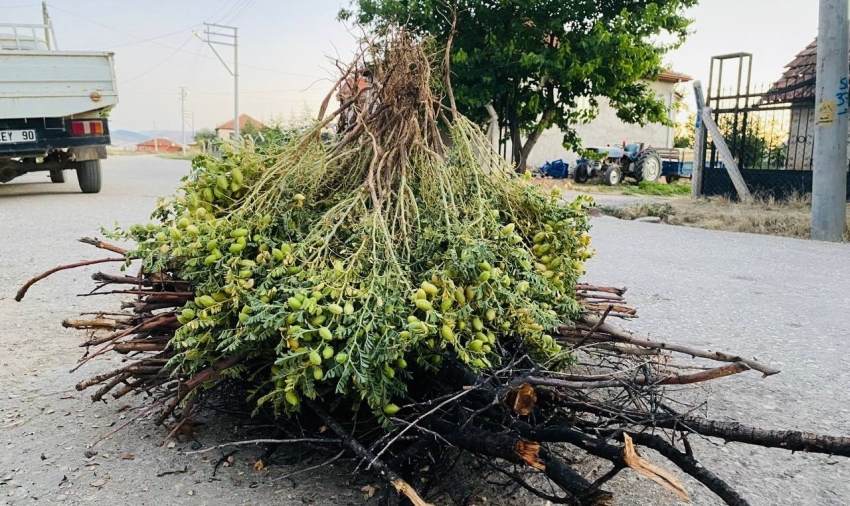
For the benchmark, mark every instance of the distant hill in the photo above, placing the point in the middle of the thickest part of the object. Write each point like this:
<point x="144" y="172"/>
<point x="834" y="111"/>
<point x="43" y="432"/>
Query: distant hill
<point x="173" y="135"/>
<point x="127" y="136"/>
<point x="132" y="137"/>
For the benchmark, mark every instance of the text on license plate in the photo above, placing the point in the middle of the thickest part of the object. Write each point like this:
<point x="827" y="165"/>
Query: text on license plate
<point x="14" y="136"/>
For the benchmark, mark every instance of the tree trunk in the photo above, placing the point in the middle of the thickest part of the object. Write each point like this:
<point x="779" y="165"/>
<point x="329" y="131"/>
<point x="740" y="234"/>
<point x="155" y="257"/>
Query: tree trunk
<point x="522" y="151"/>
<point x="516" y="139"/>
<point x="525" y="152"/>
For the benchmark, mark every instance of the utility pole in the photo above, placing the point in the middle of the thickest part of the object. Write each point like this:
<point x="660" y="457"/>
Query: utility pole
<point x="227" y="36"/>
<point x="183" y="94"/>
<point x="829" y="178"/>
<point x="155" y="138"/>
<point x="46" y="18"/>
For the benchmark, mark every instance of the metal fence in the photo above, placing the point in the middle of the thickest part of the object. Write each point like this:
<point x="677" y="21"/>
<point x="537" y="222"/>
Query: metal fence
<point x="768" y="129"/>
<point x="763" y="134"/>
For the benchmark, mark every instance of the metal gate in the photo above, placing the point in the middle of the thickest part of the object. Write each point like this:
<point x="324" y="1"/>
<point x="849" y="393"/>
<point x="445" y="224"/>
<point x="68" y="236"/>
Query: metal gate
<point x="769" y="129"/>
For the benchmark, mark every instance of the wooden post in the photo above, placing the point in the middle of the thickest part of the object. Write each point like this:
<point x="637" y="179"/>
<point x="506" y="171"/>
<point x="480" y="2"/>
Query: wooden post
<point x="699" y="145"/>
<point x="726" y="156"/>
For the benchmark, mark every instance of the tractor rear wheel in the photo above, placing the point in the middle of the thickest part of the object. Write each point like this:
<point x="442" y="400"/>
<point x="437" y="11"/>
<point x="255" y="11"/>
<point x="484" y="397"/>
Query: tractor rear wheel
<point x="581" y="176"/>
<point x="648" y="166"/>
<point x="613" y="175"/>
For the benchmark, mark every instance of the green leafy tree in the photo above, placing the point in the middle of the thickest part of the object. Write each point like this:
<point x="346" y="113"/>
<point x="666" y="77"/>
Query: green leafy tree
<point x="761" y="145"/>
<point x="250" y="130"/>
<point x="682" y="142"/>
<point x="205" y="135"/>
<point x="545" y="63"/>
<point x="205" y="138"/>
<point x="685" y="132"/>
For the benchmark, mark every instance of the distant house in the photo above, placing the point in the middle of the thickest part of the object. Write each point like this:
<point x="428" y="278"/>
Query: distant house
<point x="226" y="131"/>
<point x="607" y="129"/>
<point x="158" y="146"/>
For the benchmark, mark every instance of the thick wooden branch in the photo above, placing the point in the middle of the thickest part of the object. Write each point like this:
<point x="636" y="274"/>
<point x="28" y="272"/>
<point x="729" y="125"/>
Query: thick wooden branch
<point x="512" y="448"/>
<point x="23" y="290"/>
<point x="401" y="486"/>
<point x="691" y="466"/>
<point x="94" y="323"/>
<point x="165" y="321"/>
<point x="602" y="448"/>
<point x="618" y="335"/>
<point x="649" y="470"/>
<point x="97" y="243"/>
<point x="133" y="280"/>
<point x="584" y="287"/>
<point x="211" y="372"/>
<point x="793" y="440"/>
<point x="124" y="348"/>
<point x="134" y="367"/>
<point x="612" y="382"/>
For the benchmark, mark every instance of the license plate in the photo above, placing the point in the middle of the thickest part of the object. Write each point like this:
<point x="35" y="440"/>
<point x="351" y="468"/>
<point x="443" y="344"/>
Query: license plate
<point x="16" y="136"/>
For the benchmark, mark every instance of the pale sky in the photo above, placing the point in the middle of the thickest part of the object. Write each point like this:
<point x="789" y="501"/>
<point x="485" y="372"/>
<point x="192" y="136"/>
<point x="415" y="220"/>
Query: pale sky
<point x="284" y="47"/>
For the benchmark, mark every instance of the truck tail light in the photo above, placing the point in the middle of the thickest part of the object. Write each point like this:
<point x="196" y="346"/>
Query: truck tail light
<point x="92" y="127"/>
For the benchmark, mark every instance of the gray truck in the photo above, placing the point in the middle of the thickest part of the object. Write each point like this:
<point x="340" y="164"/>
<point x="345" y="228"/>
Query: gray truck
<point x="53" y="106"/>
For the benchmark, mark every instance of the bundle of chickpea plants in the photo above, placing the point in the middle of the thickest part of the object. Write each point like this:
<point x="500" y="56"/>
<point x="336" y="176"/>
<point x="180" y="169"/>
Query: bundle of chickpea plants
<point x="396" y="294"/>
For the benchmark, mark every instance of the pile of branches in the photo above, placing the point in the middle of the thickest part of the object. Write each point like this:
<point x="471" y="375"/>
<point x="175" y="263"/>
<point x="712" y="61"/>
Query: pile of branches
<point x="397" y="293"/>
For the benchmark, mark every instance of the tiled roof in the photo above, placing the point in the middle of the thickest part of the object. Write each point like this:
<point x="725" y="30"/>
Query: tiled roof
<point x="674" y="77"/>
<point x="797" y="84"/>
<point x="160" y="142"/>
<point x="243" y="120"/>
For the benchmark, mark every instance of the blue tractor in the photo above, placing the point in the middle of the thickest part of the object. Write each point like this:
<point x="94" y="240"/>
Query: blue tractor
<point x="615" y="162"/>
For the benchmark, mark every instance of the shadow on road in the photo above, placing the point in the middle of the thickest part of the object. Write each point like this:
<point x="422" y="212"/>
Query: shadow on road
<point x="11" y="191"/>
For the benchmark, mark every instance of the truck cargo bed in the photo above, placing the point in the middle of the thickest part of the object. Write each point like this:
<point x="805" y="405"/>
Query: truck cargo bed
<point x="55" y="84"/>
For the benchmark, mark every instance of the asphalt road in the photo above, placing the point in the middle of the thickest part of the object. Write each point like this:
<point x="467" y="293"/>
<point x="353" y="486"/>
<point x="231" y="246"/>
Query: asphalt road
<point x="784" y="301"/>
<point x="40" y="223"/>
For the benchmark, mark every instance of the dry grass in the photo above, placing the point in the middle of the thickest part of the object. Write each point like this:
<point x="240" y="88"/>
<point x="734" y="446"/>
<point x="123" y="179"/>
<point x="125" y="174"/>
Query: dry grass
<point x="790" y="218"/>
<point x="123" y="152"/>
<point x="177" y="156"/>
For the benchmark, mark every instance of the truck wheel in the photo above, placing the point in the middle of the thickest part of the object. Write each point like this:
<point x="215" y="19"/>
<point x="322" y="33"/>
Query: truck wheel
<point x="88" y="176"/>
<point x="57" y="176"/>
<point x="648" y="166"/>
<point x="581" y="176"/>
<point x="613" y="175"/>
<point x="672" y="178"/>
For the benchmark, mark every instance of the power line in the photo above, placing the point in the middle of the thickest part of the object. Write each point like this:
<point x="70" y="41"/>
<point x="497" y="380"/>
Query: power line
<point x="158" y="64"/>
<point x="294" y="74"/>
<point x="219" y="9"/>
<point x="248" y="5"/>
<point x="192" y="69"/>
<point x="152" y="38"/>
<point x="141" y="39"/>
<point x="230" y="11"/>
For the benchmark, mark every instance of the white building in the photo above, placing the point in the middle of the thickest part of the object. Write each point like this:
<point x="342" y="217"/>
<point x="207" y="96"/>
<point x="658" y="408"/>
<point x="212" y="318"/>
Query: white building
<point x="608" y="129"/>
<point x="226" y="130"/>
